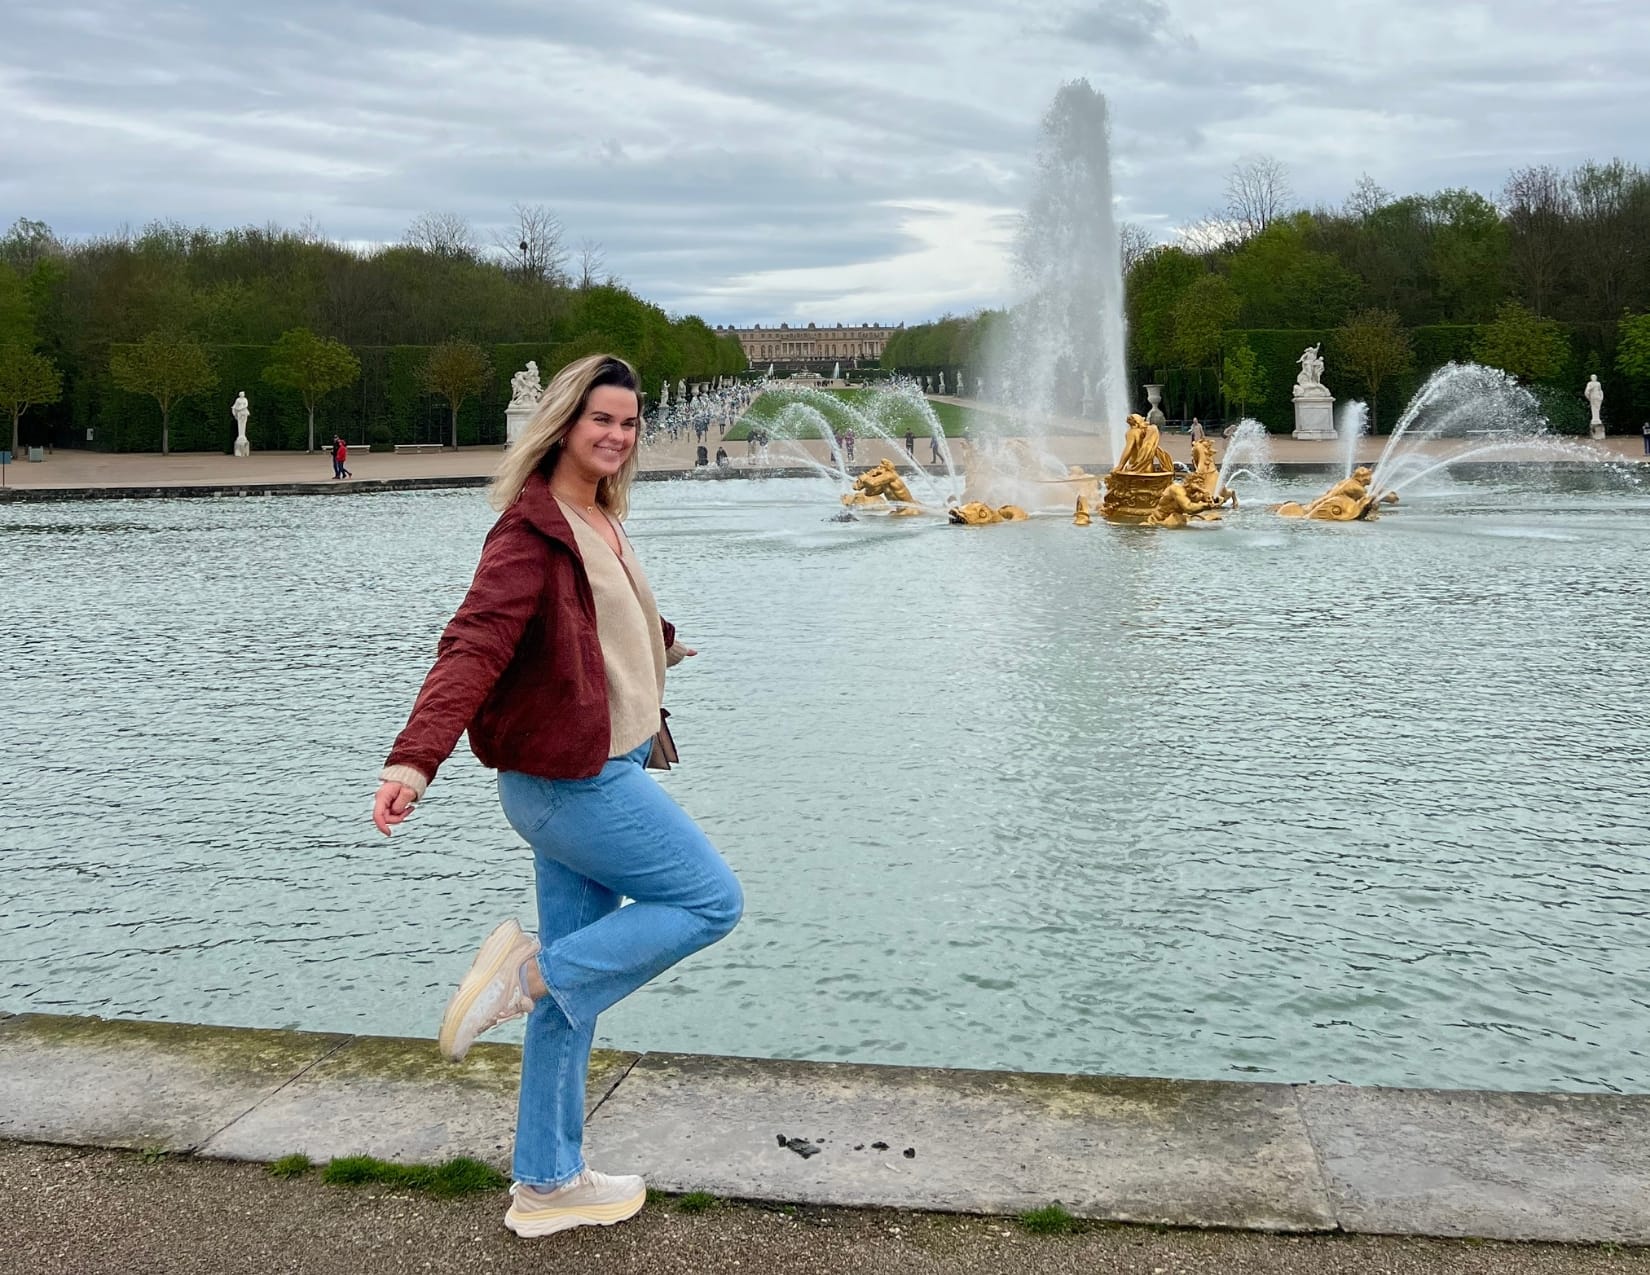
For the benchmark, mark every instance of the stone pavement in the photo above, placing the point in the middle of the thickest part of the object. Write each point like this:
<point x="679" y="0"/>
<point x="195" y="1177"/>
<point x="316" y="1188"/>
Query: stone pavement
<point x="73" y="472"/>
<point x="1205" y="1154"/>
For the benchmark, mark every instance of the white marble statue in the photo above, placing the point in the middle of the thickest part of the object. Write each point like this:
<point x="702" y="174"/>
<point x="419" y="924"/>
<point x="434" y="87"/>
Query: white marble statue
<point x="942" y="382"/>
<point x="1314" y="404"/>
<point x="240" y="409"/>
<point x="525" y="387"/>
<point x="681" y="390"/>
<point x="1311" y="373"/>
<point x="1594" y="394"/>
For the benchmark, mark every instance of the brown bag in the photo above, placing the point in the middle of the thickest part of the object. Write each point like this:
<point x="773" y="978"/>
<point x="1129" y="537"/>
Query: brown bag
<point x="662" y="756"/>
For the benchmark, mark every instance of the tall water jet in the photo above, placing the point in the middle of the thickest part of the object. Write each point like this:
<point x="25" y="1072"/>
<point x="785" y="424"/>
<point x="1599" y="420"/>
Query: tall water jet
<point x="1351" y="423"/>
<point x="1071" y="271"/>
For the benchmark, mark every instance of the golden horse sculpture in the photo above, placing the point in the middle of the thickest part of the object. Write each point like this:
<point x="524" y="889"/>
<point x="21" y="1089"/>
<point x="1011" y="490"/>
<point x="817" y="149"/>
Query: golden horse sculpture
<point x="1203" y="483"/>
<point x="1081" y="517"/>
<point x="882" y="485"/>
<point x="976" y="513"/>
<point x="1141" y="488"/>
<point x="1350" y="500"/>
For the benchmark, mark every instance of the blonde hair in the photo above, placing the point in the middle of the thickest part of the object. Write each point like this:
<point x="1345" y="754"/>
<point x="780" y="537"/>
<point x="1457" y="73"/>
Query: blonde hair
<point x="560" y="407"/>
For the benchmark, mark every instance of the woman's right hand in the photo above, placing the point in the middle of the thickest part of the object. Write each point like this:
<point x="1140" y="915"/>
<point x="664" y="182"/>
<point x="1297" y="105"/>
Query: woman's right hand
<point x="393" y="803"/>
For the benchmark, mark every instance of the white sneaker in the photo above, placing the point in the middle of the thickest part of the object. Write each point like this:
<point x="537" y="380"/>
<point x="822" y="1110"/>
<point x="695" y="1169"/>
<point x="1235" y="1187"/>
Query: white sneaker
<point x="491" y="993"/>
<point x="591" y="1199"/>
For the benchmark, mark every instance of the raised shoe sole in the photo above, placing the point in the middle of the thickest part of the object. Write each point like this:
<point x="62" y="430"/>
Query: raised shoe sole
<point x="495" y="951"/>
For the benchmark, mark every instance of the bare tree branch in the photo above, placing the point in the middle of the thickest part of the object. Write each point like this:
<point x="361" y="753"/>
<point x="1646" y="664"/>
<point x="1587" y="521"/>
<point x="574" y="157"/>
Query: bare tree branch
<point x="1367" y="198"/>
<point x="1135" y="243"/>
<point x="592" y="263"/>
<point x="1208" y="234"/>
<point x="442" y="234"/>
<point x="536" y="244"/>
<point x="1257" y="193"/>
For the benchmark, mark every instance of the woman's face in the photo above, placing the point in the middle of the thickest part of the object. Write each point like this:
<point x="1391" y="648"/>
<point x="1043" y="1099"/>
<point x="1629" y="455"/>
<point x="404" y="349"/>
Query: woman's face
<point x="603" y="437"/>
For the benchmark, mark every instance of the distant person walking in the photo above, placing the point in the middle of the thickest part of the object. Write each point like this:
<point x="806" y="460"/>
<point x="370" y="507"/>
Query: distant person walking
<point x="555" y="665"/>
<point x="340" y="453"/>
<point x="933" y="449"/>
<point x="1197" y="430"/>
<point x="1647" y="438"/>
<point x="910" y="444"/>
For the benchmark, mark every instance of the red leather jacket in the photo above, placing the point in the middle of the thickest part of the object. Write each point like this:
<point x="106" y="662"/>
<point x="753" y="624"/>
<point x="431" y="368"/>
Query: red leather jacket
<point x="520" y="665"/>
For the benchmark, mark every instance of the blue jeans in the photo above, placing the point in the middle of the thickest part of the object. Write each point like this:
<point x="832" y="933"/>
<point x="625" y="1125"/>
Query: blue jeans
<point x="595" y="841"/>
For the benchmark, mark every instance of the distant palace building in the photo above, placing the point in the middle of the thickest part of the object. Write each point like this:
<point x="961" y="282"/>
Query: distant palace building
<point x="793" y="349"/>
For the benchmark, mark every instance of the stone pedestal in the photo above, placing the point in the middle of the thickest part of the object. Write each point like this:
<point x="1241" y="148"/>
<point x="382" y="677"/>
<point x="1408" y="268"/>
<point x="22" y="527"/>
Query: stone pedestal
<point x="1595" y="430"/>
<point x="242" y="447"/>
<point x="516" y="417"/>
<point x="1314" y="413"/>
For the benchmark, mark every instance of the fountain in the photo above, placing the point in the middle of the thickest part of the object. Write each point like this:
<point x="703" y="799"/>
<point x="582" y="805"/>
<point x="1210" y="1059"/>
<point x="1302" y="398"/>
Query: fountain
<point x="1486" y="411"/>
<point x="1070" y="266"/>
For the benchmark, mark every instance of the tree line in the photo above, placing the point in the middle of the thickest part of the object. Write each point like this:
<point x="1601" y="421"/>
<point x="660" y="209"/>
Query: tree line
<point x="119" y="337"/>
<point x="1548" y="280"/>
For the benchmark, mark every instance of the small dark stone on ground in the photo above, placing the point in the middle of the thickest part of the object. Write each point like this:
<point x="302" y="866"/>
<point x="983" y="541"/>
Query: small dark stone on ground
<point x="879" y="1146"/>
<point x="802" y="1147"/>
<point x="910" y="1153"/>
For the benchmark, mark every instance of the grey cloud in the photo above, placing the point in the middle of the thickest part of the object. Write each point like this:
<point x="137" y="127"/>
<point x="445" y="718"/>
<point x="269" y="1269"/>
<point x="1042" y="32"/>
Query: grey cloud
<point x="709" y="147"/>
<point x="1130" y="25"/>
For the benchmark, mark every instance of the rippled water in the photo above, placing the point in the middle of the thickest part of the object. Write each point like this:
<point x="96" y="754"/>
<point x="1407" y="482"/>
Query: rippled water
<point x="1282" y="800"/>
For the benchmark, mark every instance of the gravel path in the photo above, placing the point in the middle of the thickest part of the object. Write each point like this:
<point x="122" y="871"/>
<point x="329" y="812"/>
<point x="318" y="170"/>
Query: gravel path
<point x="81" y="1211"/>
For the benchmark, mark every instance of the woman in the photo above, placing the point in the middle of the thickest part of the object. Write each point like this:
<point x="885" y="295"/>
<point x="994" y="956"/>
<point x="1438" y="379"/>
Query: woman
<point x="555" y="663"/>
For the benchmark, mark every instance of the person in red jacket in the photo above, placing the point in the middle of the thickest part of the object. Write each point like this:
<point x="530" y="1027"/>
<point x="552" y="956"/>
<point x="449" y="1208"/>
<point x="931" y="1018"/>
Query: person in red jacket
<point x="555" y="664"/>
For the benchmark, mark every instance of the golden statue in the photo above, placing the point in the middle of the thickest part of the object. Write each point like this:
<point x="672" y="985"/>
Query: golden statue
<point x="1141" y="452"/>
<point x="1203" y="483"/>
<point x="1136" y="483"/>
<point x="976" y="513"/>
<point x="1081" y="517"/>
<point x="1349" y="500"/>
<point x="1179" y="505"/>
<point x="880" y="485"/>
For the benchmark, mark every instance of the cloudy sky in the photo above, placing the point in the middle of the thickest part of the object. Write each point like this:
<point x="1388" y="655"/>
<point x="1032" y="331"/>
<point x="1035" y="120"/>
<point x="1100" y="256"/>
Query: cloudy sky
<point x="780" y="160"/>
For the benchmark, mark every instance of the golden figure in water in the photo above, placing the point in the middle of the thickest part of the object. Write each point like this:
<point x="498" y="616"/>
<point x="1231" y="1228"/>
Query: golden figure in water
<point x="1081" y="517"/>
<point x="977" y="513"/>
<point x="1203" y="483"/>
<point x="880" y="485"/>
<point x="1350" y="500"/>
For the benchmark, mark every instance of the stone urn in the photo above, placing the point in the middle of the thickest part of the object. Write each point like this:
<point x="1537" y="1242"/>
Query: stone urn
<point x="1154" y="410"/>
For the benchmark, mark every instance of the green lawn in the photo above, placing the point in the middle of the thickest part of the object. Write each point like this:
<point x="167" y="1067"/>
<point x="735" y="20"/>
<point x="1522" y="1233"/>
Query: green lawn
<point x="896" y="418"/>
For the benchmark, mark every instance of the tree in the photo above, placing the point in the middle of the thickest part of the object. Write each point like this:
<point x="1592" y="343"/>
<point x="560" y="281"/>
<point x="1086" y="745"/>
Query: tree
<point x="1240" y="377"/>
<point x="1633" y="348"/>
<point x="1521" y="343"/>
<point x="26" y="379"/>
<point x="312" y="365"/>
<point x="1374" y="346"/>
<point x="1257" y="194"/>
<point x="16" y="315"/>
<point x="1134" y="244"/>
<point x="1537" y="205"/>
<point x="166" y="367"/>
<point x="592" y="263"/>
<point x="536" y="245"/>
<point x="455" y="370"/>
<point x="1367" y="198"/>
<point x="1201" y="316"/>
<point x="442" y="234"/>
